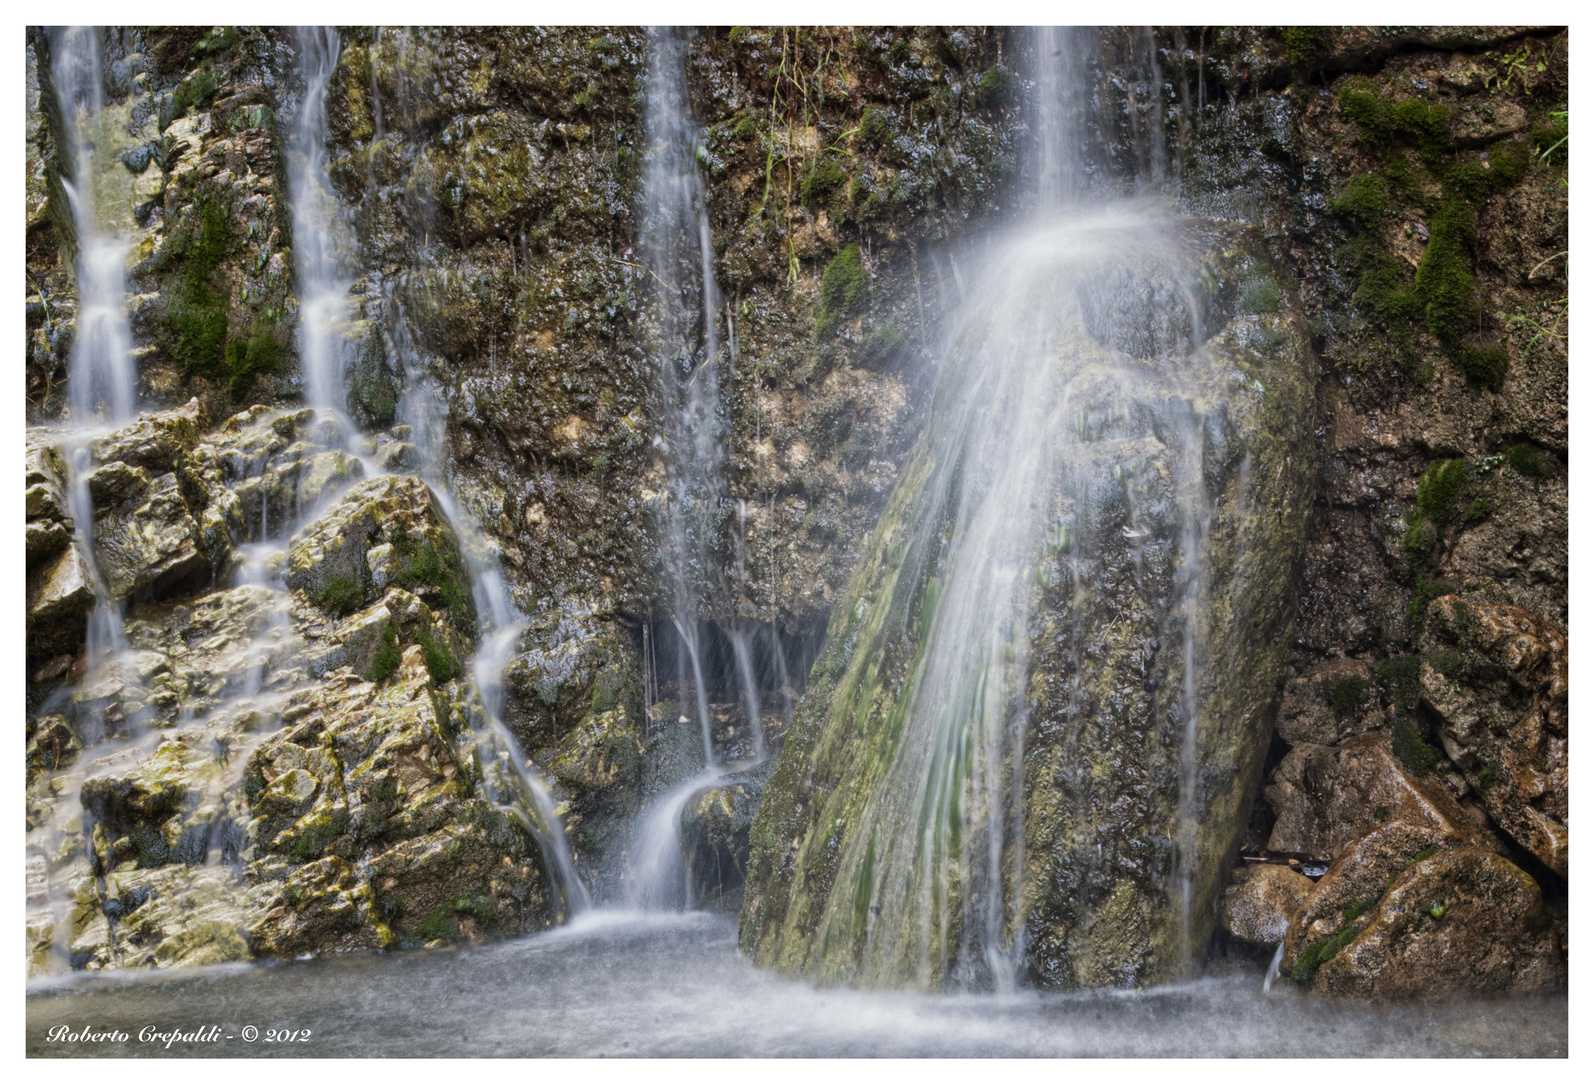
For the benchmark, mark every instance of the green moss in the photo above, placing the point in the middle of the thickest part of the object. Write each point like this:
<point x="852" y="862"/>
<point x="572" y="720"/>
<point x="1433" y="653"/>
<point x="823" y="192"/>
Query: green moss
<point x="443" y="924"/>
<point x="1385" y="122"/>
<point x="1550" y="136"/>
<point x="197" y="311"/>
<point x="1527" y="459"/>
<point x="424" y="565"/>
<point x="1400" y="677"/>
<point x="998" y="87"/>
<point x="247" y="358"/>
<point x="1316" y="956"/>
<point x="1305" y="46"/>
<point x="823" y="180"/>
<point x="1444" y="278"/>
<point x="1259" y="296"/>
<point x="197" y="89"/>
<point x="1426" y="593"/>
<point x="1482" y="367"/>
<point x="1364" y="202"/>
<point x="340" y="593"/>
<point x="1440" y="488"/>
<point x="1446" y="662"/>
<point x="1345" y="695"/>
<point x="1410" y="747"/>
<point x="440" y="660"/>
<point x="386" y="660"/>
<point x="844" y="289"/>
<point x="875" y="127"/>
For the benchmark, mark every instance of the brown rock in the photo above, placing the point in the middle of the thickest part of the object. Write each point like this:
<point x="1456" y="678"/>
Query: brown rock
<point x="1357" y="879"/>
<point x="1327" y="797"/>
<point x="1257" y="905"/>
<point x="1330" y="703"/>
<point x="1497" y="678"/>
<point x="1463" y="920"/>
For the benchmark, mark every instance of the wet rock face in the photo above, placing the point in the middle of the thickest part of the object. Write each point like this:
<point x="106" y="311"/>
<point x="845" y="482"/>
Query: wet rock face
<point x="1496" y="676"/>
<point x="1101" y="771"/>
<point x="1327" y="797"/>
<point x="292" y="775"/>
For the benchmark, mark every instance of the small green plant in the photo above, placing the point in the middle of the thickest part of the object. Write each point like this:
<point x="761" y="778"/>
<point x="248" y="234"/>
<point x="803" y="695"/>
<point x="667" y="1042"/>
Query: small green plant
<point x="998" y="87"/>
<point x="1315" y="956"/>
<point x="1400" y="677"/>
<point x="843" y="291"/>
<point x="1437" y="912"/>
<point x="1345" y="696"/>
<point x="1410" y="747"/>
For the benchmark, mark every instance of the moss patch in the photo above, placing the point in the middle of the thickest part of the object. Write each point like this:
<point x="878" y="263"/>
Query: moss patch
<point x="1412" y="750"/>
<point x="843" y="291"/>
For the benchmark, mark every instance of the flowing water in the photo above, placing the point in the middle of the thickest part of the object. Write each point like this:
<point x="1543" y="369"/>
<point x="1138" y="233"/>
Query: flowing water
<point x="680" y="254"/>
<point x="674" y="985"/>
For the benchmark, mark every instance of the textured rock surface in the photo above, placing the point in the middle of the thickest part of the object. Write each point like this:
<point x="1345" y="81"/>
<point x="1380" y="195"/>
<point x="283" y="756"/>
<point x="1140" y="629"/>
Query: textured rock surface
<point x="1497" y="678"/>
<point x="1258" y="904"/>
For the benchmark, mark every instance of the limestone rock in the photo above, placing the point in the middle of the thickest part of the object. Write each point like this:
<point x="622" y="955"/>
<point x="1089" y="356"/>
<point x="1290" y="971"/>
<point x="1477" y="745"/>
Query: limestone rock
<point x="59" y="601"/>
<point x="179" y="916"/>
<point x="1326" y="797"/>
<point x="324" y="907"/>
<point x="1497" y="678"/>
<point x="145" y="536"/>
<point x="155" y="441"/>
<point x="328" y="560"/>
<point x="1259" y="901"/>
<point x="1330" y="703"/>
<point x="1461" y="920"/>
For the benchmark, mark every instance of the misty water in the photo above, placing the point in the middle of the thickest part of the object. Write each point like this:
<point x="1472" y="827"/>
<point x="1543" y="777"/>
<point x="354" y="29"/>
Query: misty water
<point x="674" y="985"/>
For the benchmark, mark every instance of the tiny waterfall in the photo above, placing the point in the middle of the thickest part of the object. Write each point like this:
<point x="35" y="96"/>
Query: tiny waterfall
<point x="680" y="255"/>
<point x="104" y="376"/>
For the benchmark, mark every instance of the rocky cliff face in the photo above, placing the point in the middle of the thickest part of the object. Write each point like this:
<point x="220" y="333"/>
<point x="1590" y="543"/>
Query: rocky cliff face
<point x="1410" y="187"/>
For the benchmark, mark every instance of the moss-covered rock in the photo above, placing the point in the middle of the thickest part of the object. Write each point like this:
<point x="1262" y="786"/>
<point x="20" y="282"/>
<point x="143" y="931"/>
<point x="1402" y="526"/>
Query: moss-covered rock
<point x="1098" y="901"/>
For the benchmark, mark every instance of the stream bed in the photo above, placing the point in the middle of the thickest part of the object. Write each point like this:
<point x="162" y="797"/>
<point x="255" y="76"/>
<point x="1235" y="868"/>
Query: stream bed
<point x="626" y="985"/>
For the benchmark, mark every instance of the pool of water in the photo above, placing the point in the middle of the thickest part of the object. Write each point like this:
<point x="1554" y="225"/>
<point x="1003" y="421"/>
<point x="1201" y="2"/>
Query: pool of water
<point x="611" y="985"/>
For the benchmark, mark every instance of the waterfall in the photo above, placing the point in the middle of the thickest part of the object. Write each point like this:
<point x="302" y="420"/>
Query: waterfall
<point x="680" y="256"/>
<point x="323" y="285"/>
<point x="1035" y="603"/>
<point x="104" y="377"/>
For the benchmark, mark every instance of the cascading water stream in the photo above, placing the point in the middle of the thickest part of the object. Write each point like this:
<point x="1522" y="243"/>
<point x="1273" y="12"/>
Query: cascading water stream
<point x="104" y="375"/>
<point x="680" y="253"/>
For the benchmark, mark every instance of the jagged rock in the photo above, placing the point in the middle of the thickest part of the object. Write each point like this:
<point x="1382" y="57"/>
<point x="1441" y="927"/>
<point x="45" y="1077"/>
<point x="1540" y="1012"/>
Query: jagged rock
<point x="1259" y="901"/>
<point x="155" y="441"/>
<point x="1330" y="703"/>
<point x="52" y="745"/>
<point x="384" y="532"/>
<point x="324" y="908"/>
<point x="44" y="540"/>
<point x="60" y="598"/>
<point x="144" y="534"/>
<point x="1326" y="797"/>
<point x="1497" y="678"/>
<point x="1394" y="920"/>
<point x="715" y="833"/>
<point x="168" y="808"/>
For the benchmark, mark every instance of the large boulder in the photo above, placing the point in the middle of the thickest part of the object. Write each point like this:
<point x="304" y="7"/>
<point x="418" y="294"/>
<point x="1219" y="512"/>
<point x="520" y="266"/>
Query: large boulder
<point x="1411" y="912"/>
<point x="1330" y="703"/>
<point x="1497" y="678"/>
<point x="387" y="531"/>
<point x="1257" y="905"/>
